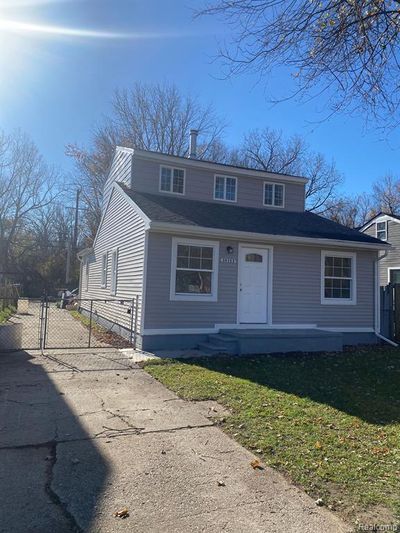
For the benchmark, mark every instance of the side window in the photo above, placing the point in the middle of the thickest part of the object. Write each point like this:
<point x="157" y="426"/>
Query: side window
<point x="114" y="271"/>
<point x="104" y="265"/>
<point x="381" y="230"/>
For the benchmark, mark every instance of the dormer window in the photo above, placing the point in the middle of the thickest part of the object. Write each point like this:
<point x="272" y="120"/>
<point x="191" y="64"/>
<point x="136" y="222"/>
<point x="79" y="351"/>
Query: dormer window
<point x="381" y="230"/>
<point x="225" y="188"/>
<point x="274" y="194"/>
<point x="172" y="180"/>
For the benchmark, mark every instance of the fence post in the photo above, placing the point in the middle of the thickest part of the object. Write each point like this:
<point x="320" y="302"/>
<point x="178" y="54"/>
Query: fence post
<point x="136" y="318"/>
<point x="45" y="321"/>
<point x="90" y="323"/>
<point x="41" y="318"/>
<point x="131" y="325"/>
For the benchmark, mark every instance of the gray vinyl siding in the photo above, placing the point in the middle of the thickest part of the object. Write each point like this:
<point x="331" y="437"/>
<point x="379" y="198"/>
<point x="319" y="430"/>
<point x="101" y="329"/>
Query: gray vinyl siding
<point x="296" y="290"/>
<point x="161" y="312"/>
<point x="200" y="185"/>
<point x="121" y="170"/>
<point x="122" y="228"/>
<point x="393" y="257"/>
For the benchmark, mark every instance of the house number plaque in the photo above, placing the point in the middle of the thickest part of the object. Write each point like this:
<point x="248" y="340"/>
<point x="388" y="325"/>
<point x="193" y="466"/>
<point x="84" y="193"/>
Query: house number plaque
<point x="230" y="260"/>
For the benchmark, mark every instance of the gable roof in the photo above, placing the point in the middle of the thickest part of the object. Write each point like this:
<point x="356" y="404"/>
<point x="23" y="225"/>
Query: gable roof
<point x="381" y="214"/>
<point x="198" y="214"/>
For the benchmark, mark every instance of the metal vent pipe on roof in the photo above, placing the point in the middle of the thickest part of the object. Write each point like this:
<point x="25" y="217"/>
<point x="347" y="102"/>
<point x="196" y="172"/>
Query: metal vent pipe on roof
<point x="193" y="143"/>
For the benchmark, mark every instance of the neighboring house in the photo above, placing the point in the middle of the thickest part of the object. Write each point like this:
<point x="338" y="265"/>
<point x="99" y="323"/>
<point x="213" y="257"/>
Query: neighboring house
<point x="227" y="257"/>
<point x="387" y="229"/>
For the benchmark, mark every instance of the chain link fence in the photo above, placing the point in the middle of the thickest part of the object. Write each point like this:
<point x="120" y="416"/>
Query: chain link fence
<point x="48" y="323"/>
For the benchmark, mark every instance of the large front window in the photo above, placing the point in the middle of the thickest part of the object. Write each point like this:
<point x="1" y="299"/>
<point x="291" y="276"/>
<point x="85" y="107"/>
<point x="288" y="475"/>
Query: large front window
<point x="338" y="278"/>
<point x="194" y="270"/>
<point x="172" y="180"/>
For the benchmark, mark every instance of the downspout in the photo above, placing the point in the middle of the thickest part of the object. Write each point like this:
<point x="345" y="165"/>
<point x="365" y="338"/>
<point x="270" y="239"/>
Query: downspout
<point x="377" y="321"/>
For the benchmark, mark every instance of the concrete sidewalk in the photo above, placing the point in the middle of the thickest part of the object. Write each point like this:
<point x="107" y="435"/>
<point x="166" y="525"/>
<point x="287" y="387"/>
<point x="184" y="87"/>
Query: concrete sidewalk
<point x="84" y="435"/>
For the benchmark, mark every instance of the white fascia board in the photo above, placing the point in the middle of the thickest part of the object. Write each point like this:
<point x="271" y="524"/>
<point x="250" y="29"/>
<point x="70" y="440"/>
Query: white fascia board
<point x="120" y="190"/>
<point x="83" y="253"/>
<point x="216" y="167"/>
<point x="102" y="218"/>
<point x="124" y="149"/>
<point x="133" y="204"/>
<point x="167" y="227"/>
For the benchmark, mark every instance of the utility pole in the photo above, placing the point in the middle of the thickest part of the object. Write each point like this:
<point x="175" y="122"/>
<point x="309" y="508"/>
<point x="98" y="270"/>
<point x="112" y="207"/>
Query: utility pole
<point x="75" y="240"/>
<point x="72" y="249"/>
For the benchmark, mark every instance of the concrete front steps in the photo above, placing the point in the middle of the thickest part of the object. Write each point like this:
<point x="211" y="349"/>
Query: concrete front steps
<point x="253" y="341"/>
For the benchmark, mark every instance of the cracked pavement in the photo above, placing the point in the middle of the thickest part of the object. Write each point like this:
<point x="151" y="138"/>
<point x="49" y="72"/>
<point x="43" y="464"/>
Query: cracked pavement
<point x="83" y="435"/>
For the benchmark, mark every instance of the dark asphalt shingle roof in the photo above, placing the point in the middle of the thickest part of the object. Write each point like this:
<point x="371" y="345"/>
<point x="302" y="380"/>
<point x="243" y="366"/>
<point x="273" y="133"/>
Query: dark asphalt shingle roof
<point x="164" y="208"/>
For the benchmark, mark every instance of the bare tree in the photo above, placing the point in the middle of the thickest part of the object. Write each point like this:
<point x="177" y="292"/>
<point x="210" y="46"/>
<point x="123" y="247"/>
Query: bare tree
<point x="268" y="150"/>
<point x="386" y="194"/>
<point x="149" y="117"/>
<point x="347" y="49"/>
<point x="27" y="185"/>
<point x="351" y="211"/>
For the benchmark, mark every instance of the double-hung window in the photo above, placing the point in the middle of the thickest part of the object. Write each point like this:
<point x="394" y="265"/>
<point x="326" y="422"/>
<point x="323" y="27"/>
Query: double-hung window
<point x="338" y="280"/>
<point x="114" y="271"/>
<point x="225" y="188"/>
<point x="381" y="230"/>
<point x="274" y="194"/>
<point x="194" y="270"/>
<point x="172" y="180"/>
<point x="104" y="265"/>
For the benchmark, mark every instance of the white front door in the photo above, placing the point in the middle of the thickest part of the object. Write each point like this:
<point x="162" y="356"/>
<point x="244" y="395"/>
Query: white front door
<point x="253" y="285"/>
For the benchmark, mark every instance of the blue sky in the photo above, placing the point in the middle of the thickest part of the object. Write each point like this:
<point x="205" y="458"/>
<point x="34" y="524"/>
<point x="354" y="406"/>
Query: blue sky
<point x="57" y="87"/>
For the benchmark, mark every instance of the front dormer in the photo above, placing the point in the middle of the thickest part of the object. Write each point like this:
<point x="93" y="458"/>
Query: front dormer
<point x="196" y="179"/>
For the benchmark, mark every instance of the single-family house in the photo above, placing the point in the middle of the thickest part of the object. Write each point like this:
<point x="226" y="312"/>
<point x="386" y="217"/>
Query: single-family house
<point x="228" y="259"/>
<point x="386" y="228"/>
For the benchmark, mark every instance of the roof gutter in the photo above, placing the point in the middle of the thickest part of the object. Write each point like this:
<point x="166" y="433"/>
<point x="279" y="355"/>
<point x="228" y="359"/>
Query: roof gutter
<point x="83" y="253"/>
<point x="167" y="227"/>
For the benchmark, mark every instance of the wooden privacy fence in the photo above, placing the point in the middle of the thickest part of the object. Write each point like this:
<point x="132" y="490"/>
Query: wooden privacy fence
<point x="390" y="311"/>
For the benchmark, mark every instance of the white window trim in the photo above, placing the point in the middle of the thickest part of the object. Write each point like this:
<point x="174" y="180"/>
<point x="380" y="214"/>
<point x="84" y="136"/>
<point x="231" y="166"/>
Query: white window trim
<point x="390" y="269"/>
<point x="172" y="179"/>
<point x="273" y="195"/>
<point x="224" y="176"/>
<point x="339" y="301"/>
<point x="385" y="230"/>
<point x="104" y="270"/>
<point x="114" y="282"/>
<point x="213" y="297"/>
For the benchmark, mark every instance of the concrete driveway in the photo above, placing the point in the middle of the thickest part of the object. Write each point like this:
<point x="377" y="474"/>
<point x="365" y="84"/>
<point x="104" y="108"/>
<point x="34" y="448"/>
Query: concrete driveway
<point x="83" y="435"/>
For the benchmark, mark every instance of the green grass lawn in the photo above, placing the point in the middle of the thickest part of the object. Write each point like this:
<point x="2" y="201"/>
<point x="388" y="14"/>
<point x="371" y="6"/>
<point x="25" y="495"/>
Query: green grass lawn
<point x="330" y="422"/>
<point x="6" y="313"/>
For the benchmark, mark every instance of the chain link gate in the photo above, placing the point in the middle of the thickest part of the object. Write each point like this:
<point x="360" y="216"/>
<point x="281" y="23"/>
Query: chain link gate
<point x="47" y="323"/>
